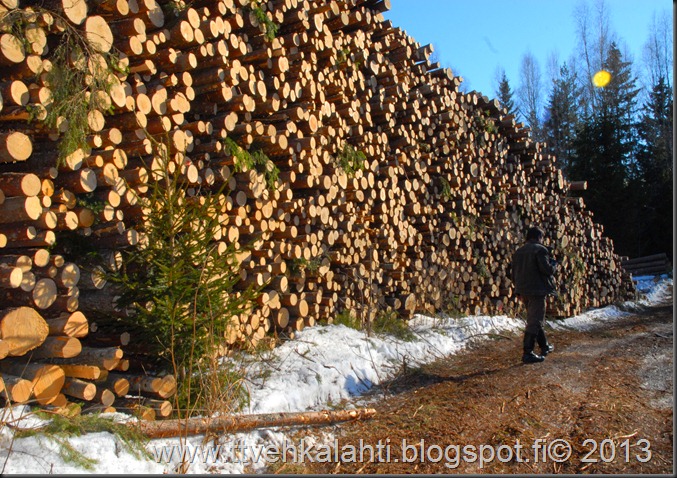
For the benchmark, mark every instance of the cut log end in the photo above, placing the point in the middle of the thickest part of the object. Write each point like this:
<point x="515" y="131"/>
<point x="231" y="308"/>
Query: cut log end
<point x="75" y="10"/>
<point x="98" y="33"/>
<point x="15" y="146"/>
<point x="22" y="329"/>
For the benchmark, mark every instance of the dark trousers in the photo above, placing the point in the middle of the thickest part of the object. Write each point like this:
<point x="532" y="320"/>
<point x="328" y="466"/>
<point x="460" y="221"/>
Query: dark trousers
<point x="535" y="322"/>
<point x="535" y="313"/>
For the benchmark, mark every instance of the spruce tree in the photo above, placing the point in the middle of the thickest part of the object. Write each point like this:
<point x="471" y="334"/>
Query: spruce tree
<point x="505" y="95"/>
<point x="605" y="156"/>
<point x="655" y="170"/>
<point x="562" y="117"/>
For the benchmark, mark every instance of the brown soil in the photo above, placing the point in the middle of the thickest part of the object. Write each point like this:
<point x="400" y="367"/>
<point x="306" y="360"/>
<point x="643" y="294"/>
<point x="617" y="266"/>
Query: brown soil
<point x="611" y="385"/>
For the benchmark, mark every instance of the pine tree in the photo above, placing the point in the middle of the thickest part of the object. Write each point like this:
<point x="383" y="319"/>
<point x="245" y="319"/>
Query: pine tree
<point x="562" y="117"/>
<point x="655" y="169"/>
<point x="605" y="156"/>
<point x="505" y="94"/>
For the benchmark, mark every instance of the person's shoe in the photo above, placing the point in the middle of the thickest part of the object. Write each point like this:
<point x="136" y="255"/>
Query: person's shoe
<point x="532" y="357"/>
<point x="548" y="349"/>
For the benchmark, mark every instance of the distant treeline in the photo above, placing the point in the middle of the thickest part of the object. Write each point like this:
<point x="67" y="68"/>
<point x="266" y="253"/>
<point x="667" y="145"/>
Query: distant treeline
<point x="617" y="137"/>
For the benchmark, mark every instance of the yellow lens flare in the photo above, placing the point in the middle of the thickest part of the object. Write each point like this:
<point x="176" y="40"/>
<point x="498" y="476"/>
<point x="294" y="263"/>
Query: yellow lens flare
<point x="601" y="78"/>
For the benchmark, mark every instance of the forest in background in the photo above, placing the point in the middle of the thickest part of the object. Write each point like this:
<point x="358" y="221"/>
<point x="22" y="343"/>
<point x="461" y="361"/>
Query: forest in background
<point x="617" y="137"/>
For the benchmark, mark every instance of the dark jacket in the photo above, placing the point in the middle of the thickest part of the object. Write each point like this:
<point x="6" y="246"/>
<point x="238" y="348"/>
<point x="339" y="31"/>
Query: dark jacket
<point x="533" y="270"/>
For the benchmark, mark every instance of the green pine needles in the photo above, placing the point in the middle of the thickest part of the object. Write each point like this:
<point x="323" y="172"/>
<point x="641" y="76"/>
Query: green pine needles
<point x="485" y="122"/>
<point x="482" y="269"/>
<point x="80" y="78"/>
<point x="59" y="428"/>
<point x="312" y="266"/>
<point x="446" y="188"/>
<point x="349" y="319"/>
<point x="351" y="160"/>
<point x="90" y="201"/>
<point x="73" y="100"/>
<point x="342" y="57"/>
<point x="271" y="28"/>
<point x="244" y="160"/>
<point x="388" y="322"/>
<point x="174" y="8"/>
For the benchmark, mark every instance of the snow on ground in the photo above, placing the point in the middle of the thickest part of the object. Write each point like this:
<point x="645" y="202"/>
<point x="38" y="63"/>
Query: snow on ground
<point x="323" y="367"/>
<point x="652" y="290"/>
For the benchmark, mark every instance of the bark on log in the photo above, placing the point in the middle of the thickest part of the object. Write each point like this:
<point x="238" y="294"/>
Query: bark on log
<point x="119" y="386"/>
<point x="106" y="358"/>
<point x="44" y="293"/>
<point x="46" y="380"/>
<point x="77" y="388"/>
<point x="20" y="184"/>
<point x="163" y="387"/>
<point x="639" y="260"/>
<point x="104" y="396"/>
<point x="198" y="426"/>
<point x="135" y="407"/>
<point x="73" y="324"/>
<point x="59" y="346"/>
<point x="10" y="277"/>
<point x="18" y="209"/>
<point x="87" y="372"/>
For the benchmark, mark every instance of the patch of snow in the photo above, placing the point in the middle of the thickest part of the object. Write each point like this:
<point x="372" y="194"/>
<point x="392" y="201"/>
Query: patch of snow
<point x="648" y="284"/>
<point x="332" y="363"/>
<point x="657" y="290"/>
<point x="591" y="318"/>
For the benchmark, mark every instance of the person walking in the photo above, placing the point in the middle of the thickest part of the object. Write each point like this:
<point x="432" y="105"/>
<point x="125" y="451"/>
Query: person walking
<point x="533" y="268"/>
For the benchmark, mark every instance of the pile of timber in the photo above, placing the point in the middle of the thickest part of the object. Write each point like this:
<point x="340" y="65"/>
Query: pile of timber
<point x="653" y="265"/>
<point x="449" y="185"/>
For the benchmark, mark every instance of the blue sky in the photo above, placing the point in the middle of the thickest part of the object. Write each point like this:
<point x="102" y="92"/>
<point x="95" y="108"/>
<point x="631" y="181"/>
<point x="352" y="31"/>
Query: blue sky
<point x="476" y="37"/>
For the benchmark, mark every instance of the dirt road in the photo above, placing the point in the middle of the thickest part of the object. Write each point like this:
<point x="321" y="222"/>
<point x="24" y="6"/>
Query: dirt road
<point x="601" y="403"/>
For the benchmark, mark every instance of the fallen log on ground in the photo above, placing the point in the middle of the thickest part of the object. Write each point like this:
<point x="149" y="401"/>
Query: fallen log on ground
<point x="198" y="426"/>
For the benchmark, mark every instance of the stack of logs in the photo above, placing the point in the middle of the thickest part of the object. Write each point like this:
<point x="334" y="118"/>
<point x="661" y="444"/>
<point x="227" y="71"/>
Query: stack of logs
<point x="449" y="184"/>
<point x="653" y="265"/>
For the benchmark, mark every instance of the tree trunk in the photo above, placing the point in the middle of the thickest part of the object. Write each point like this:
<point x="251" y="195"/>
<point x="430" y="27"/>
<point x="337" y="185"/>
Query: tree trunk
<point x="197" y="426"/>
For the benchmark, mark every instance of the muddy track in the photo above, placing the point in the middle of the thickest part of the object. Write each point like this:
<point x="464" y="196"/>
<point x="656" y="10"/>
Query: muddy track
<point x="601" y="403"/>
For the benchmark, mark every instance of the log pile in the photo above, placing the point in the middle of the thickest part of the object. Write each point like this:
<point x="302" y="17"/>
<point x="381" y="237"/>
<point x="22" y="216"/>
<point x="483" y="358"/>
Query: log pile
<point x="426" y="221"/>
<point x="655" y="264"/>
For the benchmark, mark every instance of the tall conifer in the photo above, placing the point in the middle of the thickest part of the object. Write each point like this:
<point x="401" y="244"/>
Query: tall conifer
<point x="505" y="95"/>
<point x="562" y="117"/>
<point x="655" y="170"/>
<point x="605" y="155"/>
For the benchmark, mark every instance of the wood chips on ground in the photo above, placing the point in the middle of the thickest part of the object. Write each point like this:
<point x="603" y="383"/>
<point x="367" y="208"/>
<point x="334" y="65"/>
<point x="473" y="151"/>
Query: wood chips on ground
<point x="607" y="392"/>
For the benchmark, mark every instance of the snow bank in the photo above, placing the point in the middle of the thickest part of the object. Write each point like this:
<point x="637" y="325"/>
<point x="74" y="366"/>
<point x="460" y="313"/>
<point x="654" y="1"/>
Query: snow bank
<point x="329" y="364"/>
<point x="322" y="367"/>
<point x="652" y="290"/>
